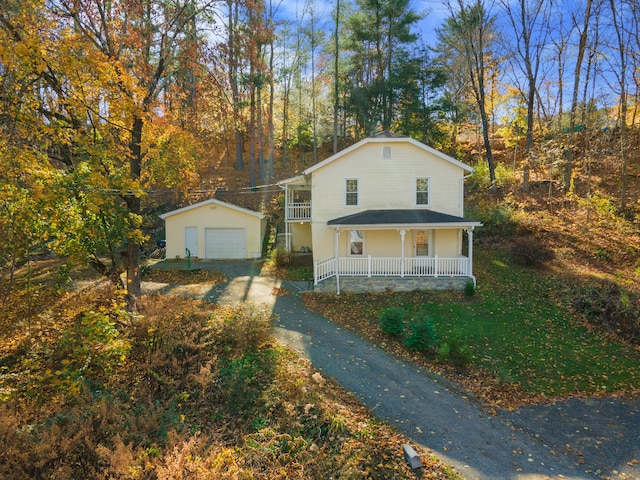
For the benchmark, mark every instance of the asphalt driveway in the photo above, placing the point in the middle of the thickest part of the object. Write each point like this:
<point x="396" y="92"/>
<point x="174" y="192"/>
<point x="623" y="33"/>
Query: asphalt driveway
<point x="577" y="439"/>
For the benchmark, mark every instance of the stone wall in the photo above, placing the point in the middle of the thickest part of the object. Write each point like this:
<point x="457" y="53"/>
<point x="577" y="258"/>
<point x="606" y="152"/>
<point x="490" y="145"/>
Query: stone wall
<point x="395" y="284"/>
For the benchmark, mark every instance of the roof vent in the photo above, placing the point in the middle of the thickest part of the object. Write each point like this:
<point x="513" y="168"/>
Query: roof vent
<point x="386" y="152"/>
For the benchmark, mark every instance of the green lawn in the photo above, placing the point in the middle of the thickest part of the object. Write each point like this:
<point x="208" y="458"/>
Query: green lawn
<point x="520" y="327"/>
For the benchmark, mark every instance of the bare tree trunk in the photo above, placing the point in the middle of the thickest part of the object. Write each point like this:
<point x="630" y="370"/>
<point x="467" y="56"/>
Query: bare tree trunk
<point x="531" y="35"/>
<point x="233" y="81"/>
<point x="252" y="131"/>
<point x="270" y="126"/>
<point x="474" y="27"/>
<point x="584" y="120"/>
<point x="314" y="117"/>
<point x="134" y="288"/>
<point x="260" y="132"/>
<point x="622" y="109"/>
<point x="568" y="171"/>
<point x="336" y="79"/>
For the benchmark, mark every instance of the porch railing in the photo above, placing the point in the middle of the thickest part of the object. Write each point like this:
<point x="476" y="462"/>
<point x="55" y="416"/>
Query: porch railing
<point x="392" y="267"/>
<point x="299" y="211"/>
<point x="324" y="269"/>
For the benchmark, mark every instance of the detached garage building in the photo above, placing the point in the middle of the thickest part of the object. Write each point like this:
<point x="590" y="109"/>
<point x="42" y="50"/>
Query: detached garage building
<point x="214" y="230"/>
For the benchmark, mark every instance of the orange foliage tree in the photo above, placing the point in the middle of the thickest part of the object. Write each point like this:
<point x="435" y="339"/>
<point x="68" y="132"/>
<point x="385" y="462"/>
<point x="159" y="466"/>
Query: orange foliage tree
<point x="97" y="84"/>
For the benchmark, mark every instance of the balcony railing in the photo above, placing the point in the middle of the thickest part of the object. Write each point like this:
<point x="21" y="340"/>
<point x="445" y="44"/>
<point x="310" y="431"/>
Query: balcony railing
<point x="299" y="211"/>
<point x="392" y="267"/>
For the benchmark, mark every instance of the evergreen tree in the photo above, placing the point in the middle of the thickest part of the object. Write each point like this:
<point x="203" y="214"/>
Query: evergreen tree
<point x="380" y="37"/>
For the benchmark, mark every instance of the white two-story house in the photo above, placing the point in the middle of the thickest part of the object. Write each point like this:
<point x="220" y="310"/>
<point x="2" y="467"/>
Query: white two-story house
<point x="385" y="213"/>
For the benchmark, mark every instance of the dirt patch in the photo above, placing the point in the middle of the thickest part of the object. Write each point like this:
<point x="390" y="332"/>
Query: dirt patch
<point x="184" y="276"/>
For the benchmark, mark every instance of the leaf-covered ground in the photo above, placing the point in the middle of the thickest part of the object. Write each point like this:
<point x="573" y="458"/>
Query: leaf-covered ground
<point x="185" y="389"/>
<point x="183" y="276"/>
<point x="525" y="345"/>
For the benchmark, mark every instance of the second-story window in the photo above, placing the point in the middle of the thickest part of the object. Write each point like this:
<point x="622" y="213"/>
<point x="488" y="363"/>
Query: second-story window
<point x="422" y="191"/>
<point x="351" y="197"/>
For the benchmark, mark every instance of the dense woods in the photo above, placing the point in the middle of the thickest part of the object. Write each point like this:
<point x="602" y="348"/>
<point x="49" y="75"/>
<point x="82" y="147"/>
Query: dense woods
<point x="110" y="109"/>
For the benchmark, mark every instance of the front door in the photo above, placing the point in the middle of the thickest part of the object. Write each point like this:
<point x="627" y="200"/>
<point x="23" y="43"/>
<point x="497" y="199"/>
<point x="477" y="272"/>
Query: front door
<point x="191" y="241"/>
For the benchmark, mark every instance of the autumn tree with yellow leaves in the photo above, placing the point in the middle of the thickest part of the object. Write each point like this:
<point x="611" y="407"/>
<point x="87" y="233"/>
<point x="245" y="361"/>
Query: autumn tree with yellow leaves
<point x="90" y="93"/>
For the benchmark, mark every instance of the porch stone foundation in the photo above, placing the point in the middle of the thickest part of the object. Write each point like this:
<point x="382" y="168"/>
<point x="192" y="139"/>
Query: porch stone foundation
<point x="394" y="284"/>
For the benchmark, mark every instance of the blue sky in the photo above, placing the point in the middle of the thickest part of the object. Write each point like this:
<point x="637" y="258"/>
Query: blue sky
<point x="434" y="10"/>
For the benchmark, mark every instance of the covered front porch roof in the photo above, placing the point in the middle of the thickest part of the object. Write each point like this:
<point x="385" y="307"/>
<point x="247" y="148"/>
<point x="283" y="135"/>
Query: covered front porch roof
<point x="402" y="218"/>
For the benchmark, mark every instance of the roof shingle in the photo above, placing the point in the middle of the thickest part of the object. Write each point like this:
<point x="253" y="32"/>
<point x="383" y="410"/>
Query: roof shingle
<point x="401" y="217"/>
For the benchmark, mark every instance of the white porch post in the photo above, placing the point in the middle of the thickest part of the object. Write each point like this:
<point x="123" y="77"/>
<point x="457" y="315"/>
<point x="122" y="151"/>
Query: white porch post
<point x="403" y="232"/>
<point x="315" y="272"/>
<point x="287" y="236"/>
<point x="336" y="234"/>
<point x="286" y="202"/>
<point x="470" y="238"/>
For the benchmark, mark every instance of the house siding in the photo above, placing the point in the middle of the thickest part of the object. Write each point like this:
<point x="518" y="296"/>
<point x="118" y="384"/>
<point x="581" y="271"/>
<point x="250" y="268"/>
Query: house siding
<point x="300" y="235"/>
<point x="384" y="183"/>
<point x="447" y="243"/>
<point x="212" y="216"/>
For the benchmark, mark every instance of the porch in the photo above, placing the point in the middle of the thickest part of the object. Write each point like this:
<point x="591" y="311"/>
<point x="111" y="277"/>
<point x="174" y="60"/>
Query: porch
<point x="394" y="271"/>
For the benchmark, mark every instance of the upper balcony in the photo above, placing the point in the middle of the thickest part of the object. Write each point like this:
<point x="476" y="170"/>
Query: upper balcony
<point x="298" y="203"/>
<point x="298" y="212"/>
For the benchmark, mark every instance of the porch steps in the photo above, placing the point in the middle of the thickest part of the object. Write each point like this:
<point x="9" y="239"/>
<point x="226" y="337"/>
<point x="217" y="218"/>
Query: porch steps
<point x="281" y="241"/>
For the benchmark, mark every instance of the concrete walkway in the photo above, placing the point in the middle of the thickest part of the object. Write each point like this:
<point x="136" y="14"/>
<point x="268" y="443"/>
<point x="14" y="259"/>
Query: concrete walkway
<point x="531" y="443"/>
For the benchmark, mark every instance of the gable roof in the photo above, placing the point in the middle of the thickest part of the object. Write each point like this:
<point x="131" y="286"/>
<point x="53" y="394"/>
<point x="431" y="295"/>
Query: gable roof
<point x="212" y="201"/>
<point x="388" y="134"/>
<point x="387" y="137"/>
<point x="400" y="217"/>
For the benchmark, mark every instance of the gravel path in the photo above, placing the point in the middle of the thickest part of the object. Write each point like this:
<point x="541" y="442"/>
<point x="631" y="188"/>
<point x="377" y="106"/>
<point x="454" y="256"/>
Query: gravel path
<point x="577" y="439"/>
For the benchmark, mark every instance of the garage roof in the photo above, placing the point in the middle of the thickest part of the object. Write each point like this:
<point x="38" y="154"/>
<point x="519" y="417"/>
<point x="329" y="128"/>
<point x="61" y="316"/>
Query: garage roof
<point x="215" y="202"/>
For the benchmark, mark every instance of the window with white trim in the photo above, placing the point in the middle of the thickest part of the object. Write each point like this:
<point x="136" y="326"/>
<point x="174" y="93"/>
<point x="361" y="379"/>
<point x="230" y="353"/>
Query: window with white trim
<point x="356" y="242"/>
<point x="351" y="195"/>
<point x="422" y="243"/>
<point x="422" y="191"/>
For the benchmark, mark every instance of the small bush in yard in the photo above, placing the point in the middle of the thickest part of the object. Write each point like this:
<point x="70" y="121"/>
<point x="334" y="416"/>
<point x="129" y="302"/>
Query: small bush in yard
<point x="391" y="320"/>
<point x="611" y="308"/>
<point x="421" y="335"/>
<point x="242" y="327"/>
<point x="455" y="351"/>
<point x="470" y="288"/>
<point x="531" y="251"/>
<point x="281" y="258"/>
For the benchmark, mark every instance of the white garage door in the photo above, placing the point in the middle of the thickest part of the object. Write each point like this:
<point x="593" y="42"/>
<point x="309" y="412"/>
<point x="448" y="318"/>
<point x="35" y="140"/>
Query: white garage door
<point x="225" y="243"/>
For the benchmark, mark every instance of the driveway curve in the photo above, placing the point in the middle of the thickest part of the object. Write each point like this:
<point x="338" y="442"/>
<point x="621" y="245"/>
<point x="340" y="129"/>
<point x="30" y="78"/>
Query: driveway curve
<point x="577" y="439"/>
